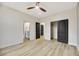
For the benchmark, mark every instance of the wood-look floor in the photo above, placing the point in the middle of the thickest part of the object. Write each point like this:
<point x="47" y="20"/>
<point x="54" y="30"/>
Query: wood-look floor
<point x="40" y="47"/>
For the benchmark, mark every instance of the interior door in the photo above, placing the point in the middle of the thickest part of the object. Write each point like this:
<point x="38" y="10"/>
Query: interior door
<point x="63" y="31"/>
<point x="42" y="30"/>
<point x="37" y="30"/>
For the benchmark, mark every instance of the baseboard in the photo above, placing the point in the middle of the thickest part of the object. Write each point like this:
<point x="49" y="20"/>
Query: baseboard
<point x="7" y="45"/>
<point x="32" y="39"/>
<point x="72" y="44"/>
<point x="48" y="39"/>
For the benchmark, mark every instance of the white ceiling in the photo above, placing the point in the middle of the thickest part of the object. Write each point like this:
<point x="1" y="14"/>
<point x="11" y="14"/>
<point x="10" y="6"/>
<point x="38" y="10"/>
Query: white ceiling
<point x="51" y="7"/>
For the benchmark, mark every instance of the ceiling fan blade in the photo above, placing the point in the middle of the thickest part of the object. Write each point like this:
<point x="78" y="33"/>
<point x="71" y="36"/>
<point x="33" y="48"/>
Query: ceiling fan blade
<point x="42" y="9"/>
<point x="30" y="8"/>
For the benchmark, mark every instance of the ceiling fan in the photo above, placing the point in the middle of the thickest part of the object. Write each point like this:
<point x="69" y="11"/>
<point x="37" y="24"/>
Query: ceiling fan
<point x="37" y="7"/>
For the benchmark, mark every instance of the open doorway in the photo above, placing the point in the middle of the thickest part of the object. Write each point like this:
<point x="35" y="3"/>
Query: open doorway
<point x="37" y="30"/>
<point x="59" y="30"/>
<point x="42" y="25"/>
<point x="26" y="31"/>
<point x="53" y="30"/>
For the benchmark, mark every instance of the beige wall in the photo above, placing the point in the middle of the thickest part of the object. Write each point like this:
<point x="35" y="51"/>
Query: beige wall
<point x="71" y="15"/>
<point x="11" y="26"/>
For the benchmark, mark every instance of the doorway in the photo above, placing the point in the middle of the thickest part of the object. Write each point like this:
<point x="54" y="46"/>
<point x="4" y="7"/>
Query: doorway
<point x="59" y="30"/>
<point x="37" y="30"/>
<point x="27" y="30"/>
<point x="54" y="30"/>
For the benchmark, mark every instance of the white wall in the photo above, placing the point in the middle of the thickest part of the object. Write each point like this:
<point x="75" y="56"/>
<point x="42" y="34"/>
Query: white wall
<point x="68" y="14"/>
<point x="11" y="26"/>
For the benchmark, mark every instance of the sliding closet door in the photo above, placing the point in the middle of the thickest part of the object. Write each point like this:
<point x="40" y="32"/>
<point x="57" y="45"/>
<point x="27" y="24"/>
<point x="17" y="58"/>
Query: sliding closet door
<point x="37" y="30"/>
<point x="63" y="31"/>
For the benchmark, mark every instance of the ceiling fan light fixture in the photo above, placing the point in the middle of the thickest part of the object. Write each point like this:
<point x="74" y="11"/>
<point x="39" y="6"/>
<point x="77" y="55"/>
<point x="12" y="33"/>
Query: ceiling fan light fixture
<point x="36" y="7"/>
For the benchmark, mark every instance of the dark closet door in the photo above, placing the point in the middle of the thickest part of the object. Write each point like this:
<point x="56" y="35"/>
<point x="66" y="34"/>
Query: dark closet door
<point x="37" y="30"/>
<point x="63" y="31"/>
<point x="42" y="29"/>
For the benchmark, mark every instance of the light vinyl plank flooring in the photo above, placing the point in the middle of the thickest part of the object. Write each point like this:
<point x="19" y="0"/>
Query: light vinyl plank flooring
<point x="40" y="47"/>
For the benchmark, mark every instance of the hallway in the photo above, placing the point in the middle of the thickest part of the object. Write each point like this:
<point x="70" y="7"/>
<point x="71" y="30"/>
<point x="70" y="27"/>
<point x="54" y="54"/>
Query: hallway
<point x="40" y="47"/>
